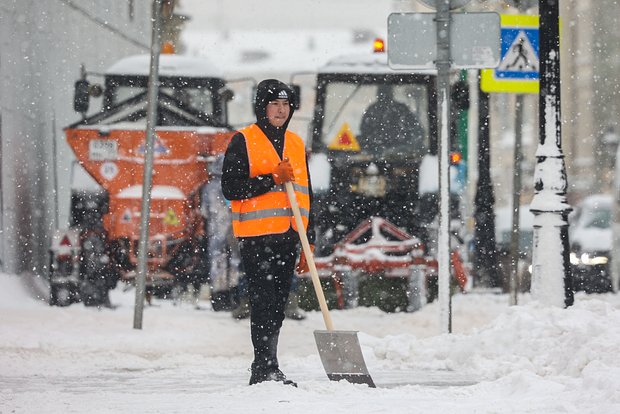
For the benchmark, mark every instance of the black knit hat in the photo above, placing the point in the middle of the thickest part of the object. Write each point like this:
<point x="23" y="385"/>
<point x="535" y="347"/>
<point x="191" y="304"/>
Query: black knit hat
<point x="269" y="90"/>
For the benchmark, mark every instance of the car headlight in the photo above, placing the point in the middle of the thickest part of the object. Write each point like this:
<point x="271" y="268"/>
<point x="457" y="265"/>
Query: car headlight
<point x="588" y="259"/>
<point x="593" y="260"/>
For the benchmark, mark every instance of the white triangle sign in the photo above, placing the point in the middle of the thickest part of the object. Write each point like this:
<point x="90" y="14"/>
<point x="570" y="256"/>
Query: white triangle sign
<point x="521" y="56"/>
<point x="126" y="217"/>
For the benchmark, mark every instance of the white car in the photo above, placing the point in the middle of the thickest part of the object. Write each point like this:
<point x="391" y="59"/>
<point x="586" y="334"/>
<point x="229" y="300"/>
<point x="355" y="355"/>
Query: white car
<point x="591" y="243"/>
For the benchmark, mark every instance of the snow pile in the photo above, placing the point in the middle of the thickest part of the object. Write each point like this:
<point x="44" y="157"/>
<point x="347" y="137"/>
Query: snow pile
<point x="523" y="359"/>
<point x="545" y="341"/>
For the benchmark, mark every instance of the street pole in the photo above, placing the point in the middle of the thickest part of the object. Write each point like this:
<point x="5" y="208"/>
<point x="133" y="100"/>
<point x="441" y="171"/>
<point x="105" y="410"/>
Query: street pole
<point x="485" y="253"/>
<point x="443" y="125"/>
<point x="521" y="5"/>
<point x="516" y="202"/>
<point x="472" y="148"/>
<point x="151" y="120"/>
<point x="551" y="273"/>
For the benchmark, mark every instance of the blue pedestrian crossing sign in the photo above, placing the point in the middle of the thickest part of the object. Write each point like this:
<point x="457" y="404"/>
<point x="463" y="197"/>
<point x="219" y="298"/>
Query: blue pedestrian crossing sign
<point x="519" y="67"/>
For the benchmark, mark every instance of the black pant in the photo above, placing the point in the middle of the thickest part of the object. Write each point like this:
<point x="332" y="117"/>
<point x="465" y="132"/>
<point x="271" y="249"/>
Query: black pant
<point x="269" y="263"/>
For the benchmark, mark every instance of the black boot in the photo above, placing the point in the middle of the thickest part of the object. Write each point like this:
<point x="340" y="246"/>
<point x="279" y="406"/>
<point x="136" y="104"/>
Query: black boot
<point x="277" y="375"/>
<point x="260" y="374"/>
<point x="243" y="310"/>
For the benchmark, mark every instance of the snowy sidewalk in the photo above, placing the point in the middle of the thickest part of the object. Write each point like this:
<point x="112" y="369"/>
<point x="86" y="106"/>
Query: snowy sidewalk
<point x="523" y="359"/>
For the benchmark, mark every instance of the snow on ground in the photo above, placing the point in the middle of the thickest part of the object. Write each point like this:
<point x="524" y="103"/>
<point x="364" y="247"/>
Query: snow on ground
<point x="500" y="359"/>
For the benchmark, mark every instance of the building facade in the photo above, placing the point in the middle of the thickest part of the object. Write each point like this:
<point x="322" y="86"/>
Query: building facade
<point x="42" y="45"/>
<point x="590" y="79"/>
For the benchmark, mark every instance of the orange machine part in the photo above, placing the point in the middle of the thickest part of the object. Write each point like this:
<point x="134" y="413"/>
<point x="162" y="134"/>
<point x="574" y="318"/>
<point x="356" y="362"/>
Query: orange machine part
<point x="115" y="159"/>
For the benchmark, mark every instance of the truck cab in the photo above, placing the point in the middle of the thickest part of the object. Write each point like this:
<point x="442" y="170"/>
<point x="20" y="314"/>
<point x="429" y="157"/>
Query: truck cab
<point x="374" y="172"/>
<point x="372" y="128"/>
<point x="192" y="84"/>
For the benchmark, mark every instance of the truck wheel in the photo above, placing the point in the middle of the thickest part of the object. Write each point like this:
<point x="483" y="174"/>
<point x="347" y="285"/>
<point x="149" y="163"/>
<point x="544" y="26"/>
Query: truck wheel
<point x="224" y="300"/>
<point x="60" y="296"/>
<point x="432" y="288"/>
<point x="97" y="279"/>
<point x="94" y="294"/>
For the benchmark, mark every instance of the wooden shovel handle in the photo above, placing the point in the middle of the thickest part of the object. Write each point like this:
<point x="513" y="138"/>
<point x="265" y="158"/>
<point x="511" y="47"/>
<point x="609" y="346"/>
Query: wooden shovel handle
<point x="305" y="245"/>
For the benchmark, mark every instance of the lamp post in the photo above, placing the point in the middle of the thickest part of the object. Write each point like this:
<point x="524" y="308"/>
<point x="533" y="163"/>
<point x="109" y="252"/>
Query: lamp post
<point x="485" y="258"/>
<point x="551" y="273"/>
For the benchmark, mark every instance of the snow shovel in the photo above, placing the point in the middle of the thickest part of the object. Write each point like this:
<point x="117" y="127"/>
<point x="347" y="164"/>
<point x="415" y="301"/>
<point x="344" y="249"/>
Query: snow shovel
<point x="340" y="351"/>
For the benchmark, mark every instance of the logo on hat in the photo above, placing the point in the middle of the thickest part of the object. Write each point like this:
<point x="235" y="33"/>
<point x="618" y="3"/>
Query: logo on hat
<point x="282" y="94"/>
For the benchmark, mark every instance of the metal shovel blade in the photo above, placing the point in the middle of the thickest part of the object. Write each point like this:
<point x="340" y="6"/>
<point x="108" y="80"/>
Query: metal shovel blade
<point x="342" y="357"/>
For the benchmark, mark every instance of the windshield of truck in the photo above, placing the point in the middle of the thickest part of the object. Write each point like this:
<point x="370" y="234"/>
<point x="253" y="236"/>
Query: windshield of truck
<point x="379" y="118"/>
<point x="196" y="95"/>
<point x="197" y="98"/>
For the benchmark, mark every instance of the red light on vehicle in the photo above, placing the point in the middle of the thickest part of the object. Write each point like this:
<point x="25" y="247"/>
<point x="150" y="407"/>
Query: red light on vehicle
<point x="167" y="49"/>
<point x="379" y="45"/>
<point x="65" y="242"/>
<point x="456" y="157"/>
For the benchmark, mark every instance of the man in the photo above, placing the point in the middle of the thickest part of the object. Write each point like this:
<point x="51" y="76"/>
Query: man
<point x="259" y="160"/>
<point x="390" y="123"/>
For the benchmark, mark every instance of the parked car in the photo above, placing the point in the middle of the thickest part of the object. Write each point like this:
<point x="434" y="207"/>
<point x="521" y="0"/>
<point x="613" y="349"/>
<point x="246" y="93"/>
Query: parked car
<point x="591" y="244"/>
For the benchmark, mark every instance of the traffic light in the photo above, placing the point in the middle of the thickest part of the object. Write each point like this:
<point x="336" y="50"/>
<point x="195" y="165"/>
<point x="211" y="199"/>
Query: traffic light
<point x="460" y="94"/>
<point x="455" y="158"/>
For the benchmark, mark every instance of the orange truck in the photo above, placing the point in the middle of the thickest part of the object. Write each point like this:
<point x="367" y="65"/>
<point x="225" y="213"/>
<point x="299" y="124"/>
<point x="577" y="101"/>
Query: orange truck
<point x="100" y="246"/>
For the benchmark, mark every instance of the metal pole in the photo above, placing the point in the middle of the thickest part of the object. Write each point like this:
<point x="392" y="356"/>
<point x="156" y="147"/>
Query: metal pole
<point x="516" y="202"/>
<point x="443" y="126"/>
<point x="551" y="273"/>
<point x="55" y="169"/>
<point x="151" y="120"/>
<point x="615" y="264"/>
<point x="2" y="229"/>
<point x="485" y="253"/>
<point x="472" y="148"/>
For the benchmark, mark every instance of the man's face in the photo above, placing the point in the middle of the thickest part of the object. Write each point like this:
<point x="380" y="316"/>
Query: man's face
<point x="278" y="112"/>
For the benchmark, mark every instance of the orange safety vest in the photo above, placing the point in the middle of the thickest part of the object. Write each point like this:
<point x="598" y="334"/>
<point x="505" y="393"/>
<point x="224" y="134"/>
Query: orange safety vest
<point x="271" y="213"/>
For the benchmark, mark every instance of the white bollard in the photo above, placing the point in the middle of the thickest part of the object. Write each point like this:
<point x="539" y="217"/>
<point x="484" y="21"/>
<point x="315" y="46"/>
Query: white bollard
<point x="416" y="290"/>
<point x="350" y="288"/>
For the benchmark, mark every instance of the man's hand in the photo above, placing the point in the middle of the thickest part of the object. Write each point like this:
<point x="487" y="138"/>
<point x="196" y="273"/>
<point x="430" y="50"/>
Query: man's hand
<point x="302" y="265"/>
<point x="283" y="172"/>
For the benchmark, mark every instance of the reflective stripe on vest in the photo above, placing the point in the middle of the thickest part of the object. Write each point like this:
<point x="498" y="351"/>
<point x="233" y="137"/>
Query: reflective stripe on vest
<point x="270" y="213"/>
